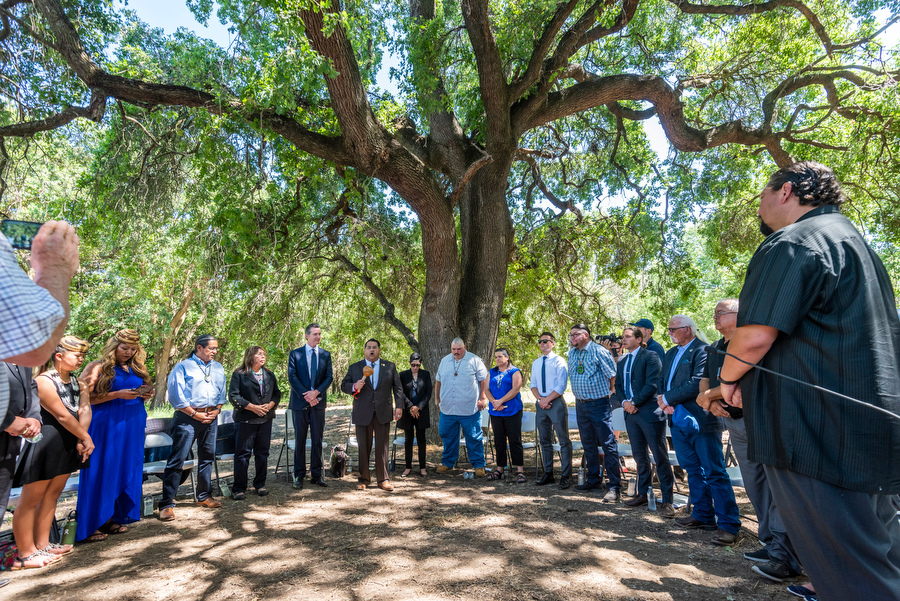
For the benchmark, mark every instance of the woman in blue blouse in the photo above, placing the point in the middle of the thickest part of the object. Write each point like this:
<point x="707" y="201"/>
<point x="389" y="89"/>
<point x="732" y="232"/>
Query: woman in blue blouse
<point x="506" y="414"/>
<point x="109" y="492"/>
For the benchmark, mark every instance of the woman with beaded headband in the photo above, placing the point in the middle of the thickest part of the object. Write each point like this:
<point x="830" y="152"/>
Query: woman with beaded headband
<point x="109" y="493"/>
<point x="47" y="464"/>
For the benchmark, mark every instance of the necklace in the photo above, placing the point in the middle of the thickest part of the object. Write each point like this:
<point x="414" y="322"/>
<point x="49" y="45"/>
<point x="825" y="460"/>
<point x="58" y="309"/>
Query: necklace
<point x="456" y="365"/>
<point x="207" y="371"/>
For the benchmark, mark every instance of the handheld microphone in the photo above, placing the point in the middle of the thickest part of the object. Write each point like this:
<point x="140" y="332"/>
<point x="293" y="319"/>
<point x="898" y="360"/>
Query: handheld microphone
<point x="711" y="349"/>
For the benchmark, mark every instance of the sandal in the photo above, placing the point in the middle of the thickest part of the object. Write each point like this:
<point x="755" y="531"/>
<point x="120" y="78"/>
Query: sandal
<point x="520" y="478"/>
<point x="19" y="562"/>
<point x="495" y="475"/>
<point x="262" y="491"/>
<point x="423" y="473"/>
<point x="96" y="537"/>
<point x="111" y="527"/>
<point x="57" y="549"/>
<point x="406" y="472"/>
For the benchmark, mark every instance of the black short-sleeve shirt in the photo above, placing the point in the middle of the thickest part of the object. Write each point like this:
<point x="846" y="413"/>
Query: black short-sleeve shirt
<point x="829" y="295"/>
<point x="714" y="363"/>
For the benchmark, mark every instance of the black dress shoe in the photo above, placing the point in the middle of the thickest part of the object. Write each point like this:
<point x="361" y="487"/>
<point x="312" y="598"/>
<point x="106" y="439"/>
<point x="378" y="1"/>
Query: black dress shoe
<point x="587" y="487"/>
<point x="298" y="483"/>
<point x="636" y="501"/>
<point x="564" y="483"/>
<point x="320" y="481"/>
<point x="547" y="478"/>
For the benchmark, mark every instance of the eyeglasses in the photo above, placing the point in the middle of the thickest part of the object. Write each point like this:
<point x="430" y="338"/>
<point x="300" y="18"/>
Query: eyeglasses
<point x="678" y="328"/>
<point x="415" y="365"/>
<point x="544" y="341"/>
<point x="721" y="313"/>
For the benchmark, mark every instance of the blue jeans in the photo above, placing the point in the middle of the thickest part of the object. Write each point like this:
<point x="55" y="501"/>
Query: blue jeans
<point x="595" y="427"/>
<point x="184" y="430"/>
<point x="448" y="428"/>
<point x="712" y="496"/>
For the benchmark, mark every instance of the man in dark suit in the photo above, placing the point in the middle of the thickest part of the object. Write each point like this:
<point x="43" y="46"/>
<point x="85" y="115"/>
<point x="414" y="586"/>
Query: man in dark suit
<point x="637" y="379"/>
<point x="23" y="418"/>
<point x="310" y="375"/>
<point x="372" y="411"/>
<point x="697" y="435"/>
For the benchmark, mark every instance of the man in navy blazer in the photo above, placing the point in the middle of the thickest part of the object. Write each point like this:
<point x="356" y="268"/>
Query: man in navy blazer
<point x="310" y="375"/>
<point x="697" y="435"/>
<point x="373" y="411"/>
<point x="637" y="380"/>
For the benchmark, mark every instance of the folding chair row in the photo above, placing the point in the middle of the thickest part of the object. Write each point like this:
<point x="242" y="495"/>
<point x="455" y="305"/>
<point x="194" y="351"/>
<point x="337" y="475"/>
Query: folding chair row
<point x="290" y="443"/>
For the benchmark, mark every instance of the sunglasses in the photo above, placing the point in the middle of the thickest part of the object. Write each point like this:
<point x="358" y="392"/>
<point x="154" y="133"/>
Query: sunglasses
<point x="415" y="365"/>
<point x="544" y="341"/>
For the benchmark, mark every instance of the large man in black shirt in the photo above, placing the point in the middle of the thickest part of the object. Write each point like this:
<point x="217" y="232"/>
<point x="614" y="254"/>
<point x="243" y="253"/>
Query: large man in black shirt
<point x="813" y="295"/>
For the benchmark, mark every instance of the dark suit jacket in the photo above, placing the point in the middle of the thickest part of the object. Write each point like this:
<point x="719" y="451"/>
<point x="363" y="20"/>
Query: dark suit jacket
<point x="298" y="375"/>
<point x="243" y="390"/>
<point x="644" y="384"/>
<point x="375" y="401"/>
<point x="423" y="392"/>
<point x="21" y="404"/>
<point x="686" y="384"/>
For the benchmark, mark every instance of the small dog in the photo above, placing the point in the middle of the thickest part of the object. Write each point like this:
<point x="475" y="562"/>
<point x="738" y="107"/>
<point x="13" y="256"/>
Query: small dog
<point x="338" y="466"/>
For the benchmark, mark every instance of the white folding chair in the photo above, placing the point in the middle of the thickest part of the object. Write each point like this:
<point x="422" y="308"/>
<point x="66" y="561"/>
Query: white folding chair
<point x="485" y="432"/>
<point x="576" y="444"/>
<point x="224" y="417"/>
<point x="529" y="425"/>
<point x="157" y="468"/>
<point x="618" y="424"/>
<point x="290" y="443"/>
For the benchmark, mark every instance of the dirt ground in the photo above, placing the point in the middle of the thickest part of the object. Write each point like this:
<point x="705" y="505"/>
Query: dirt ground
<point x="440" y="537"/>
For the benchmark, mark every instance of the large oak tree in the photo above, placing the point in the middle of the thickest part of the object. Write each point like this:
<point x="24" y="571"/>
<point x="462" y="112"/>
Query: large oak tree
<point x="499" y="102"/>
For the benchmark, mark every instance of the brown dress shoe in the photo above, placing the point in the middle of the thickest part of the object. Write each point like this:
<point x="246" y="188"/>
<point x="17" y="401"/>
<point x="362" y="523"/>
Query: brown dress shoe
<point x="723" y="538"/>
<point x="210" y="503"/>
<point x="636" y="501"/>
<point x="360" y="486"/>
<point x="666" y="510"/>
<point x="167" y="514"/>
<point x="386" y="485"/>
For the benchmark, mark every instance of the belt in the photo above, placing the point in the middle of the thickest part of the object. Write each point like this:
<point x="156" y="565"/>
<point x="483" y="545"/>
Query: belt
<point x="204" y="409"/>
<point x="603" y="398"/>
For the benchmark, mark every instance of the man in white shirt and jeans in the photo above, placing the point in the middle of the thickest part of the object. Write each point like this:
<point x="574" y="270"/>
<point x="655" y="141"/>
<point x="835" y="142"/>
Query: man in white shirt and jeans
<point x="549" y="377"/>
<point x="460" y="394"/>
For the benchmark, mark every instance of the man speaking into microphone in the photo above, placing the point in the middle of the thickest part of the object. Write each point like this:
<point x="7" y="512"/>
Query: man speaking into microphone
<point x="814" y="296"/>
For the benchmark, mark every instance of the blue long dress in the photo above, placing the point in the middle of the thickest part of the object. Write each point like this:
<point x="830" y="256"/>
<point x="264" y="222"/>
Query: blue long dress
<point x="111" y="487"/>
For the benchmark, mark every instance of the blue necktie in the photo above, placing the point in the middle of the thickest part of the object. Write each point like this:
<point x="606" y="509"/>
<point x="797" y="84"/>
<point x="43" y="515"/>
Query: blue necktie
<point x="544" y="376"/>
<point x="374" y="377"/>
<point x="627" y="389"/>
<point x="313" y="368"/>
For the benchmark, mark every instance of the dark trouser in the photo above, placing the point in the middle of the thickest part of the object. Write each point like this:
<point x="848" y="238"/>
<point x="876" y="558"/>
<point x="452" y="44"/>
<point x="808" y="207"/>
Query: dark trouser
<point x="772" y="533"/>
<point x="652" y="434"/>
<point x="382" y="434"/>
<point x="311" y="420"/>
<point x="184" y="430"/>
<point x="701" y="456"/>
<point x="848" y="542"/>
<point x="7" y="468"/>
<point x="252" y="439"/>
<point x="419" y="430"/>
<point x="508" y="428"/>
<point x="595" y="428"/>
<point x="556" y="418"/>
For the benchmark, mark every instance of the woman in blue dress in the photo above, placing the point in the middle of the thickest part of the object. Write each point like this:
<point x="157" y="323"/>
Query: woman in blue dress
<point x="109" y="492"/>
<point x="506" y="414"/>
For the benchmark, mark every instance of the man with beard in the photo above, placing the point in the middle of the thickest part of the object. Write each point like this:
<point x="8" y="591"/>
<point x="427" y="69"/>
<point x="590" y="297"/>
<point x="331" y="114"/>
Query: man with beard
<point x="814" y="297"/>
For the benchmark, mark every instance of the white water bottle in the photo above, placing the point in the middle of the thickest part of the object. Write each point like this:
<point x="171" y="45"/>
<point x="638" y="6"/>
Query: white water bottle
<point x="651" y="499"/>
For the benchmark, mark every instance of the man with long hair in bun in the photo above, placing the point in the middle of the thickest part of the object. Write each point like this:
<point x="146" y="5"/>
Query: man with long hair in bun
<point x="109" y="493"/>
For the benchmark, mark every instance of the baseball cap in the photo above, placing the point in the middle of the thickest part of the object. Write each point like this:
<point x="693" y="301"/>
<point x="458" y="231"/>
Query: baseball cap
<point x="643" y="323"/>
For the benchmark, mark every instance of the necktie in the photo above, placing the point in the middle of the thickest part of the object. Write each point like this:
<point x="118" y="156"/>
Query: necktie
<point x="313" y="368"/>
<point x="544" y="375"/>
<point x="374" y="377"/>
<point x="627" y="390"/>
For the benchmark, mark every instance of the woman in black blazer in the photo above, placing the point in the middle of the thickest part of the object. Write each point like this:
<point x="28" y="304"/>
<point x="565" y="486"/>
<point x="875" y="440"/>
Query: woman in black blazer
<point x="254" y="393"/>
<point x="417" y="388"/>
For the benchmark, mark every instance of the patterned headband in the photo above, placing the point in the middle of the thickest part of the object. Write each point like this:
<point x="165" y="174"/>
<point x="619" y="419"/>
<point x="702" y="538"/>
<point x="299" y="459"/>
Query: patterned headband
<point x="128" y="336"/>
